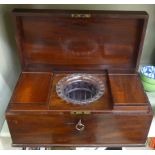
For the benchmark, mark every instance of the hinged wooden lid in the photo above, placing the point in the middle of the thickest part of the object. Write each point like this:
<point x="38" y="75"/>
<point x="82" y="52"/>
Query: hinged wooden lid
<point x="74" y="39"/>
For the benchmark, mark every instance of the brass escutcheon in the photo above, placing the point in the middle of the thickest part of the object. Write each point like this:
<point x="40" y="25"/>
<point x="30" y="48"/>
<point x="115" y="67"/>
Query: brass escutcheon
<point x="80" y="112"/>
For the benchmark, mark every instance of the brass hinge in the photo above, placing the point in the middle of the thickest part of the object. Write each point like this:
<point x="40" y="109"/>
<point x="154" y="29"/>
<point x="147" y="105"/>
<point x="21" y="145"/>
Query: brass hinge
<point x="80" y="15"/>
<point x="80" y="112"/>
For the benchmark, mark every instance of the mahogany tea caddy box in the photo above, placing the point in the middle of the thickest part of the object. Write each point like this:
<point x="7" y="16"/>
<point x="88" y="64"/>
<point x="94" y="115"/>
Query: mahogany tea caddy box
<point x="79" y="84"/>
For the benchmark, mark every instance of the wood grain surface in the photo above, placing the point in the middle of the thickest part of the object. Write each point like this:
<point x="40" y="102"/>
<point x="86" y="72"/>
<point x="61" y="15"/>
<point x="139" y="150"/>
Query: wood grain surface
<point x="56" y="43"/>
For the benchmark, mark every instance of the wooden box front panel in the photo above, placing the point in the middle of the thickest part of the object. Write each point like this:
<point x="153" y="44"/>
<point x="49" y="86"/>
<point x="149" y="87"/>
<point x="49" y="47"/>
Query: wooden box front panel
<point x="59" y="129"/>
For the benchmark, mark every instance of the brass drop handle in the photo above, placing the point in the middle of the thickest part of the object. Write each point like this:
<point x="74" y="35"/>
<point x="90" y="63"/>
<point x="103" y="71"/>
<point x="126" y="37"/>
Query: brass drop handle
<point x="79" y="126"/>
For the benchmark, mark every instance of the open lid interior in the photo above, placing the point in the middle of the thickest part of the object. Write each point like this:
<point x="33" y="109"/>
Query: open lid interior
<point x="57" y="39"/>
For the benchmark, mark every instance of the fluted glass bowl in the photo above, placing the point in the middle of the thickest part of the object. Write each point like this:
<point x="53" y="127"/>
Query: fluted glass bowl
<point x="80" y="88"/>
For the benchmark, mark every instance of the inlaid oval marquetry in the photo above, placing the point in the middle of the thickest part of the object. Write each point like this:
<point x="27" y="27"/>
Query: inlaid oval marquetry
<point x="78" y="47"/>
